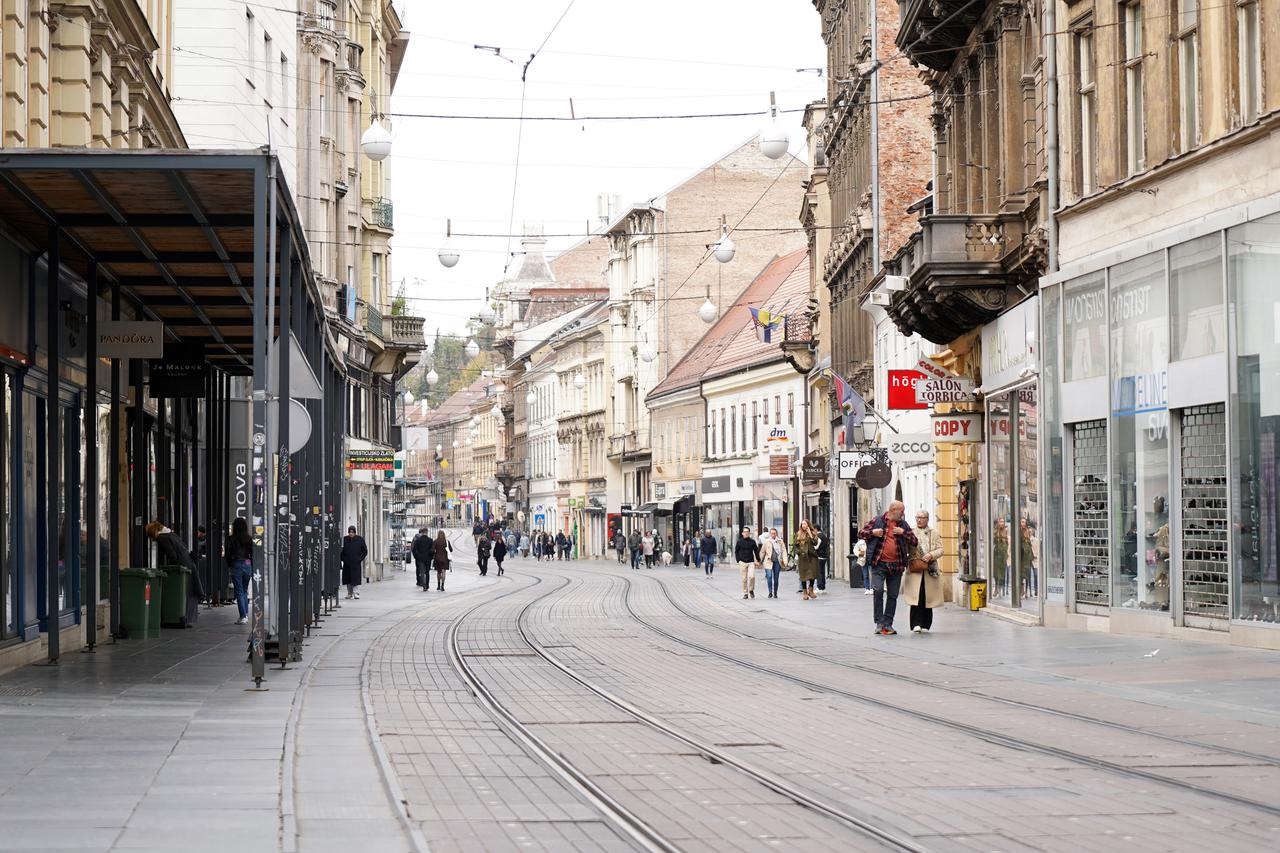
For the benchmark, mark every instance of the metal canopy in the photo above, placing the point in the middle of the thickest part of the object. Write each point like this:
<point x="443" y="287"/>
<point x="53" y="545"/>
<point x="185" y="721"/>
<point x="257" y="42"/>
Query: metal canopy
<point x="175" y="229"/>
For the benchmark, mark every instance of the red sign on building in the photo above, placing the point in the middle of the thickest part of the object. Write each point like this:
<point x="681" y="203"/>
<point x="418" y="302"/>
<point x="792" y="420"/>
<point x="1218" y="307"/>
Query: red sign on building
<point x="902" y="389"/>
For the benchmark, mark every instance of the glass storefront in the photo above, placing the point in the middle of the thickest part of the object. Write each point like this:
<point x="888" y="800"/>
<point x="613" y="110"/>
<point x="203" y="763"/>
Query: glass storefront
<point x="1000" y="501"/>
<point x="1253" y="308"/>
<point x="1174" y="493"/>
<point x="8" y="564"/>
<point x="1139" y="434"/>
<point x="1013" y="498"/>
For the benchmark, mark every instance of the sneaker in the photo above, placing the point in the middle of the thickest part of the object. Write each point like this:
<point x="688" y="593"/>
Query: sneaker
<point x="923" y="630"/>
<point x="888" y="631"/>
<point x="744" y="595"/>
<point x="357" y="596"/>
<point x="753" y="593"/>
<point x="879" y="629"/>
<point x="868" y="592"/>
<point x="242" y="621"/>
<point x="916" y="630"/>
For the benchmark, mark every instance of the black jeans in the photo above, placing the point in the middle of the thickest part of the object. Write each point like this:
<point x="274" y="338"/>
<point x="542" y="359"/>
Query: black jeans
<point x="423" y="568"/>
<point x="886" y="582"/>
<point x="921" y="616"/>
<point x="822" y="573"/>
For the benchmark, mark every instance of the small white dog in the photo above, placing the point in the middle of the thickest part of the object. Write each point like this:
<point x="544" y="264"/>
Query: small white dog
<point x="666" y="558"/>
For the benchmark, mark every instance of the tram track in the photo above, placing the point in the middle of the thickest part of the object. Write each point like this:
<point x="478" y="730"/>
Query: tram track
<point x="989" y="736"/>
<point x="1002" y="700"/>
<point x="630" y="825"/>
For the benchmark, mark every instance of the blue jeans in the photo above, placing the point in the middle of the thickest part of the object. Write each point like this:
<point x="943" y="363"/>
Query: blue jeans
<point x="886" y="581"/>
<point x="709" y="563"/>
<point x="866" y="575"/>
<point x="771" y="577"/>
<point x="241" y="577"/>
<point x="635" y="558"/>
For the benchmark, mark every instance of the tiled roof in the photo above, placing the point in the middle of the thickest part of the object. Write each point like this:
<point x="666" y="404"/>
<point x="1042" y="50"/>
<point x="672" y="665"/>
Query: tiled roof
<point x="457" y="405"/>
<point x="732" y="343"/>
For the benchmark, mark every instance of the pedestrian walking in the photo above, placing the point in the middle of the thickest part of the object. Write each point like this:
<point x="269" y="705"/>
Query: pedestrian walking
<point x="686" y="550"/>
<point x="697" y="549"/>
<point x="524" y="545"/>
<point x="440" y="557"/>
<point x="239" y="558"/>
<point x="562" y="551"/>
<point x="658" y="547"/>
<point x="889" y="542"/>
<point x="765" y="545"/>
<point x="824" y="554"/>
<point x="354" y="550"/>
<point x="708" y="549"/>
<point x="477" y="530"/>
<point x="173" y="552"/>
<point x="923" y="590"/>
<point x="778" y="553"/>
<point x="747" y="552"/>
<point x="807" y="559"/>
<point x="421" y="550"/>
<point x="646" y="545"/>
<point x="619" y="543"/>
<point x="860" y="559"/>
<point x="636" y="543"/>
<point x="499" y="553"/>
<point x="482" y="555"/>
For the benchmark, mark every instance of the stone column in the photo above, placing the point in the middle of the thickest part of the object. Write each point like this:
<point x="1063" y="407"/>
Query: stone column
<point x="39" y="25"/>
<point x="71" y="72"/>
<point x="14" y="74"/>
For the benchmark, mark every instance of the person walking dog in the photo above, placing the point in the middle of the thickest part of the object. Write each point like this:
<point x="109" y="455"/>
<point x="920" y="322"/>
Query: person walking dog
<point x="889" y="543"/>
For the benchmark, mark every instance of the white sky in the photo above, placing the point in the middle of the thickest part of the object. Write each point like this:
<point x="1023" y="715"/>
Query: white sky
<point x="701" y="56"/>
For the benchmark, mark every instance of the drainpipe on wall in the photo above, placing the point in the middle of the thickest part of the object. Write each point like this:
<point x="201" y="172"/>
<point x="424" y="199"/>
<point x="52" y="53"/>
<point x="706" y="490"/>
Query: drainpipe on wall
<point x="1051" y="131"/>
<point x="875" y="136"/>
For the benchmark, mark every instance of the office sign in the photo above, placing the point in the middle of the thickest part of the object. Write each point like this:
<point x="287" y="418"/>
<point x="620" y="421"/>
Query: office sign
<point x="958" y="427"/>
<point x="851" y="461"/>
<point x="130" y="339"/>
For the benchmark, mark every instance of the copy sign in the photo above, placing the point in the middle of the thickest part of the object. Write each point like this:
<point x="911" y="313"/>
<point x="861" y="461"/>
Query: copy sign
<point x="958" y="428"/>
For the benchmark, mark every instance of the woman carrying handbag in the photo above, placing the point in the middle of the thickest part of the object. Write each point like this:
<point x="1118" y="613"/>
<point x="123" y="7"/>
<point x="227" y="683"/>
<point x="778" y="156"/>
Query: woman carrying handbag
<point x="922" y="583"/>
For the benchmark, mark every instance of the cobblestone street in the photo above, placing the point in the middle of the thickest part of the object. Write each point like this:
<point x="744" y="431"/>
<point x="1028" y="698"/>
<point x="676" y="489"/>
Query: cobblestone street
<point x="584" y="706"/>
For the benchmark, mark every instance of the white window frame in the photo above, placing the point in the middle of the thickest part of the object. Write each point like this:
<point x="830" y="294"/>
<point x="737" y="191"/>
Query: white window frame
<point x="1135" y="119"/>
<point x="1186" y="33"/>
<point x="1249" y="54"/>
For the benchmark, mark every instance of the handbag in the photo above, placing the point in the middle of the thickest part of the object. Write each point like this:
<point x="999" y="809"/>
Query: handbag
<point x="916" y="563"/>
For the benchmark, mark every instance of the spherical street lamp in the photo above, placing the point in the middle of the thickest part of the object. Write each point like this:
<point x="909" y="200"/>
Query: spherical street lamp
<point x="708" y="312"/>
<point x="774" y="141"/>
<point x="531" y="397"/>
<point x="472" y="349"/>
<point x="440" y="449"/>
<point x="376" y="142"/>
<point x="579" y="381"/>
<point x="432" y="378"/>
<point x="496" y="411"/>
<point x="724" y="248"/>
<point x="455" y="444"/>
<point x="448" y="255"/>
<point x="648" y="354"/>
<point x="408" y="398"/>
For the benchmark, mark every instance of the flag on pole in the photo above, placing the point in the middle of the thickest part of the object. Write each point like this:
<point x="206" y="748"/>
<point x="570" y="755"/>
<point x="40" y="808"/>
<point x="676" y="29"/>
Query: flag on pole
<point x="766" y="323"/>
<point x="850" y="401"/>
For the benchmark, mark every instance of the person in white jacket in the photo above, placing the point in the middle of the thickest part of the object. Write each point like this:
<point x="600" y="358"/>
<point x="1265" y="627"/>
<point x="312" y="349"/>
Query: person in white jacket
<point x="924" y="590"/>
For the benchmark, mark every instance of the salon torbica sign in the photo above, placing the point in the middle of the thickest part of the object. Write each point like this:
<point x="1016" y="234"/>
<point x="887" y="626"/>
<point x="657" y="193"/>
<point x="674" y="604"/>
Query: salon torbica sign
<point x="1009" y="345"/>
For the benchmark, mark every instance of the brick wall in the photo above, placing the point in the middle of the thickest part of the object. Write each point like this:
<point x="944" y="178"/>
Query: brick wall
<point x="906" y="136"/>
<point x="731" y="186"/>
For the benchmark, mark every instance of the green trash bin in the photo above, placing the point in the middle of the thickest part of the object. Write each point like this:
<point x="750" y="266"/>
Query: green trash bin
<point x="173" y="598"/>
<point x="139" y="599"/>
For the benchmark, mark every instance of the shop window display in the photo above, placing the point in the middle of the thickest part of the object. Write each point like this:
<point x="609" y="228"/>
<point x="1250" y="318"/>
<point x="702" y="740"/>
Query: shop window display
<point x="1000" y="503"/>
<point x="1084" y="319"/>
<point x="1139" y="428"/>
<point x="1195" y="298"/>
<point x="1253" y="253"/>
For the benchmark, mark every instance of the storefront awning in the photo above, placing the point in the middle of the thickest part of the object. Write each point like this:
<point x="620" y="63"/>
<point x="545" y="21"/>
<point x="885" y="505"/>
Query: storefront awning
<point x="674" y="505"/>
<point x="643" y="509"/>
<point x="185" y="234"/>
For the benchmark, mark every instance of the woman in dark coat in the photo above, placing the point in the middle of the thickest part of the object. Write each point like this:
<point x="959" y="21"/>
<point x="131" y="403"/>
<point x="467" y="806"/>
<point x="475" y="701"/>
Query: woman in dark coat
<point x="174" y="553"/>
<point x="440" y="551"/>
<point x="353" y="553"/>
<point x="499" y="553"/>
<point x="483" y="548"/>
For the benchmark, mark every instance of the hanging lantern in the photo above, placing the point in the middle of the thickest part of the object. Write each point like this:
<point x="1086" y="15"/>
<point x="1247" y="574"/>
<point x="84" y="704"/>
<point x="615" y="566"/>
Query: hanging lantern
<point x="531" y="397"/>
<point x="376" y="142"/>
<point x="648" y="354"/>
<point x="496" y="411"/>
<point x="472" y="349"/>
<point x="408" y="398"/>
<point x="432" y="378"/>
<point x="579" y="381"/>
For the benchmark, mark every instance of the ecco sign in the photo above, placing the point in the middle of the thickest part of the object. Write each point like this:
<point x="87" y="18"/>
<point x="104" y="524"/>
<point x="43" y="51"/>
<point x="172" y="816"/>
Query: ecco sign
<point x="911" y="449"/>
<point x="958" y="428"/>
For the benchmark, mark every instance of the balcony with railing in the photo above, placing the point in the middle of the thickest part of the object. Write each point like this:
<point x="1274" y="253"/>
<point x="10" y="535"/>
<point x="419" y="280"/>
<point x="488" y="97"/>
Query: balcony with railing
<point x="352" y="67"/>
<point x="383" y="213"/>
<point x="407" y="332"/>
<point x="962" y="271"/>
<point x="371" y="320"/>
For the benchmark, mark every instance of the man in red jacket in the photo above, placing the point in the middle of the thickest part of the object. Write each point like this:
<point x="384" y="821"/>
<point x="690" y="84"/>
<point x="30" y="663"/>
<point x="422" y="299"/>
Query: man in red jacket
<point x="889" y="542"/>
